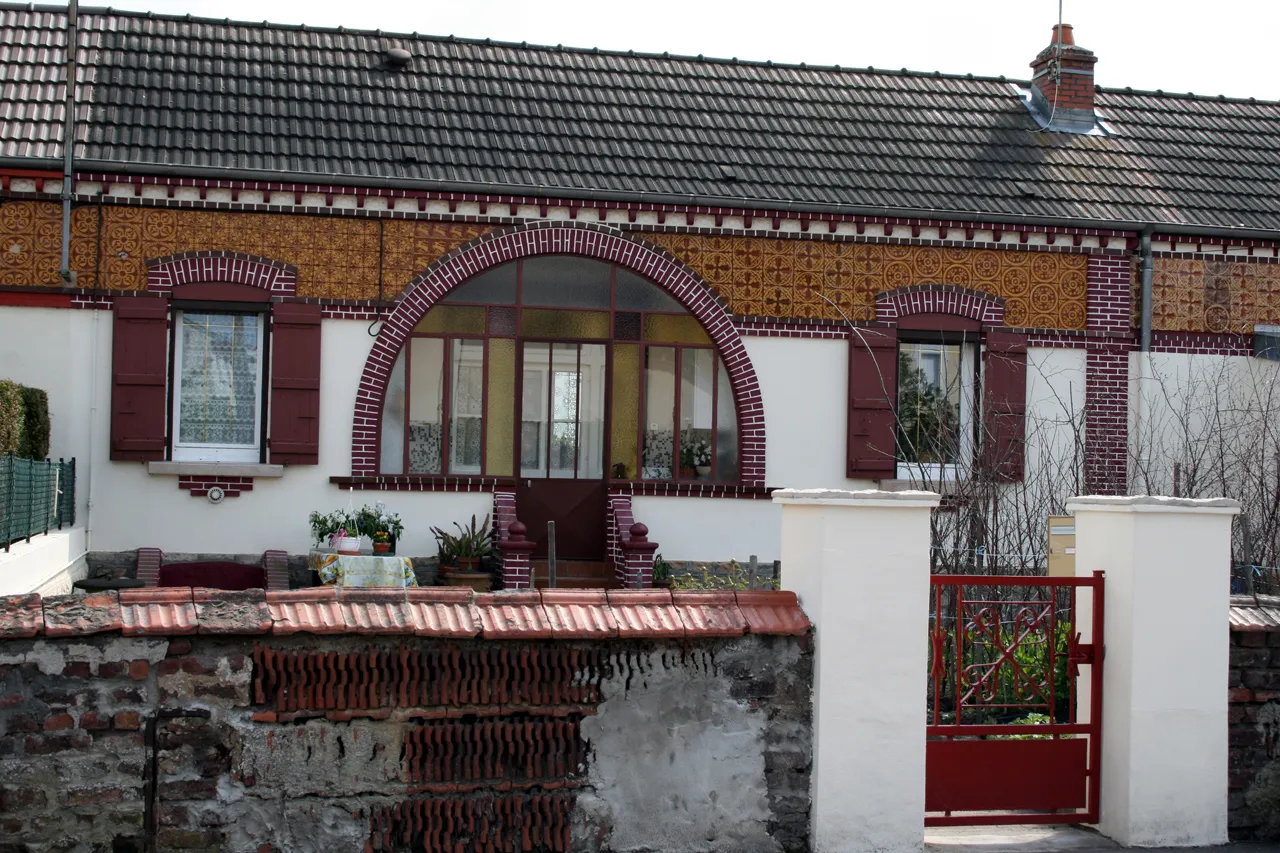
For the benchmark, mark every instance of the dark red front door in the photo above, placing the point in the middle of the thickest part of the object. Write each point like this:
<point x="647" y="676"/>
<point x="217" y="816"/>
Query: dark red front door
<point x="562" y="420"/>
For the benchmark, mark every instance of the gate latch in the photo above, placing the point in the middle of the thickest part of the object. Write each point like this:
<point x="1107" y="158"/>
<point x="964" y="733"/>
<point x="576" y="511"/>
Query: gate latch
<point x="1078" y="653"/>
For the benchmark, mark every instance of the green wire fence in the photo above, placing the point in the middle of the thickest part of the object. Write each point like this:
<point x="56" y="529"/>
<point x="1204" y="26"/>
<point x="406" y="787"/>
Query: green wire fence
<point x="35" y="497"/>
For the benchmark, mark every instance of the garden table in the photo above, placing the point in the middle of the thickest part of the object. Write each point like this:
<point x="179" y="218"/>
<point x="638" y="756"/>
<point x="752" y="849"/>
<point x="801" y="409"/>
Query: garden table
<point x="337" y="569"/>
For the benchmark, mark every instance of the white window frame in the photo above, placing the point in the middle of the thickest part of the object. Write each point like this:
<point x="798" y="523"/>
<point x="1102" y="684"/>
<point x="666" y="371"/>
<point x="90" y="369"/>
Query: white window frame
<point x="924" y="473"/>
<point x="208" y="452"/>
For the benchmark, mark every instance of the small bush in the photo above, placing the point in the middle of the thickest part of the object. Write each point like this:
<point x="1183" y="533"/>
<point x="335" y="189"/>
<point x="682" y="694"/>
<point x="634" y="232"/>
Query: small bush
<point x="35" y="439"/>
<point x="12" y="417"/>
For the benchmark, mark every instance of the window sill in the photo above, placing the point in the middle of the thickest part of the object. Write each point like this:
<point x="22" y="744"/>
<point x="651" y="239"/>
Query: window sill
<point x="942" y="487"/>
<point x="216" y="469"/>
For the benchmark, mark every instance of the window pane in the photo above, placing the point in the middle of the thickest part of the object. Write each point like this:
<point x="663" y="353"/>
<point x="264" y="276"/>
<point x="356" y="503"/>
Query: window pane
<point x="625" y="426"/>
<point x="533" y="409"/>
<point x="466" y="406"/>
<point x="564" y="409"/>
<point x="928" y="403"/>
<point x="659" y="413"/>
<point x="543" y="323"/>
<point x="502" y="321"/>
<point x="726" y="428"/>
<point x="565" y="282"/>
<point x="501" y="414"/>
<point x="218" y="395"/>
<point x="494" y="287"/>
<point x="452" y="319"/>
<point x="426" y="404"/>
<point x="392" y="454"/>
<point x="696" y="390"/>
<point x="637" y="294"/>
<point x="591" y="412"/>
<point x="679" y="330"/>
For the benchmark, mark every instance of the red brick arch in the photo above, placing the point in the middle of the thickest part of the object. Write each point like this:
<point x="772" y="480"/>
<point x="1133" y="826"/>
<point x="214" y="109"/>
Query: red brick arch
<point x="569" y="238"/>
<point x="275" y="277"/>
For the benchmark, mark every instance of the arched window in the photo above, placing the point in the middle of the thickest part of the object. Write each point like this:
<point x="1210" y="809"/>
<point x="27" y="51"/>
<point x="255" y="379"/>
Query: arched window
<point x="560" y="367"/>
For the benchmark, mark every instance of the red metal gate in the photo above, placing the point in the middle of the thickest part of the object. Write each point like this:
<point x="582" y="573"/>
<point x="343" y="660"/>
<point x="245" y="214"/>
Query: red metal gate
<point x="1009" y="738"/>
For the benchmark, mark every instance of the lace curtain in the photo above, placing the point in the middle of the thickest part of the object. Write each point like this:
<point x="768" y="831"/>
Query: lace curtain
<point x="218" y="395"/>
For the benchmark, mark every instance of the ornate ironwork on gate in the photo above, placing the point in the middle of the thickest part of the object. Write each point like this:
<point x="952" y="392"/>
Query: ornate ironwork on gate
<point x="1014" y="735"/>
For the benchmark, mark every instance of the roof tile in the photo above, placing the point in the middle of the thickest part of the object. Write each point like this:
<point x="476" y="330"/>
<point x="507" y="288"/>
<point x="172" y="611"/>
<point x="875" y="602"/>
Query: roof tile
<point x="645" y="613"/>
<point x="512" y="615"/>
<point x="76" y="614"/>
<point x="167" y="611"/>
<point x="220" y="611"/>
<point x="315" y="611"/>
<point x="21" y="616"/>
<point x="579" y="614"/>
<point x="442" y="612"/>
<point x="373" y="610"/>
<point x="773" y="612"/>
<point x="709" y="613"/>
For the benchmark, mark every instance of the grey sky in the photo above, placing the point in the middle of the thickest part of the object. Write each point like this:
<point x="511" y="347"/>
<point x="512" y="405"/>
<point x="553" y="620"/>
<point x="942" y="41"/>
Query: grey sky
<point x="1176" y="45"/>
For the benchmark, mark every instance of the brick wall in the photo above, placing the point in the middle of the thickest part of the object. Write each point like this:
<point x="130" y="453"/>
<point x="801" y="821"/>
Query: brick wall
<point x="1254" y="714"/>
<point x="1107" y="374"/>
<point x="379" y="720"/>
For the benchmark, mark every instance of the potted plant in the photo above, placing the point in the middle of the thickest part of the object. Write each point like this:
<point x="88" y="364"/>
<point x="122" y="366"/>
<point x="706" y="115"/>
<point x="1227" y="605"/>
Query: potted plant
<point x="339" y="529"/>
<point x="460" y="554"/>
<point x="695" y="458"/>
<point x="381" y="525"/>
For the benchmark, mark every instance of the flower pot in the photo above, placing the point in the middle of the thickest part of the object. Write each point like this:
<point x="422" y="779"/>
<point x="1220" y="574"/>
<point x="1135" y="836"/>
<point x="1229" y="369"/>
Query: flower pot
<point x="382" y="547"/>
<point x="478" y="581"/>
<point x="346" y="544"/>
<point x="686" y="473"/>
<point x="704" y="471"/>
<point x="468" y="565"/>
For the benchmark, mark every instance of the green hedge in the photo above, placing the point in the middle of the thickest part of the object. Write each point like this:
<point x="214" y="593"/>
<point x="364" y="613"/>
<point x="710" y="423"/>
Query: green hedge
<point x="24" y="421"/>
<point x="35" y="439"/>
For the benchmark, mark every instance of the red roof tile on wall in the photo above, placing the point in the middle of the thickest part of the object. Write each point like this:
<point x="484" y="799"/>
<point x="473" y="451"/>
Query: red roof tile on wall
<point x="579" y="614"/>
<point x="67" y="615"/>
<point x="166" y="611"/>
<point x="566" y="614"/>
<point x="645" y="613"/>
<point x="21" y="616"/>
<point x="773" y="612"/>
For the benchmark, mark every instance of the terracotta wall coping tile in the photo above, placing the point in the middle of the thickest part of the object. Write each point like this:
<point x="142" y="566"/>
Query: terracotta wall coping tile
<point x="711" y="613"/>
<point x="645" y="613"/>
<point x="565" y="614"/>
<point x="579" y="614"/>
<point x="77" y="615"/>
<point x="158" y="611"/>
<point x="225" y="612"/>
<point x="773" y="612"/>
<point x="21" y="616"/>
<point x="512" y="615"/>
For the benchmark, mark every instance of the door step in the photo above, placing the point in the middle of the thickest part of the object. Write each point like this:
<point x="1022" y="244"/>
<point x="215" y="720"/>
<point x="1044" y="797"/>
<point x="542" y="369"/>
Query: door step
<point x="576" y="574"/>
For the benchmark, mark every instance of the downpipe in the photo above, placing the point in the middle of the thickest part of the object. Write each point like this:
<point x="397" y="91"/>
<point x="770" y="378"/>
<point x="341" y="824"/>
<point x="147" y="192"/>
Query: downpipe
<point x="68" y="143"/>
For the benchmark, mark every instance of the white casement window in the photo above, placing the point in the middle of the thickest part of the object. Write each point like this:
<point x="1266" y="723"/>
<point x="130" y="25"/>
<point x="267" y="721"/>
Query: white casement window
<point x="937" y="409"/>
<point x="217" y="393"/>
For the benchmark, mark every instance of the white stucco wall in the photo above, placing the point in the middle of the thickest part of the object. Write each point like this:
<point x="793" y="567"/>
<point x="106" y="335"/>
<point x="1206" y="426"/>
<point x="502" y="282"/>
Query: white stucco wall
<point x="50" y="349"/>
<point x="711" y="529"/>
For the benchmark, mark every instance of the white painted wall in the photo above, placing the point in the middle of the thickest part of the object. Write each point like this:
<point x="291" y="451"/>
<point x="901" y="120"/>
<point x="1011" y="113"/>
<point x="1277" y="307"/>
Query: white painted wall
<point x="48" y="564"/>
<point x="859" y="564"/>
<point x="711" y="529"/>
<point x="1164" y="709"/>
<point x="51" y="349"/>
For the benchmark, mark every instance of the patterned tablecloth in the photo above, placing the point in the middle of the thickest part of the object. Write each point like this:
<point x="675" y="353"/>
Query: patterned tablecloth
<point x="363" y="570"/>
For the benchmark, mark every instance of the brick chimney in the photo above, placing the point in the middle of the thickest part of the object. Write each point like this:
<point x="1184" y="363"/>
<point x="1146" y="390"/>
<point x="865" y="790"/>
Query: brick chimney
<point x="1062" y="84"/>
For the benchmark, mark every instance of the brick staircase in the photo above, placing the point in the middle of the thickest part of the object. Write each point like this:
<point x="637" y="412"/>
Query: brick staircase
<point x="576" y="574"/>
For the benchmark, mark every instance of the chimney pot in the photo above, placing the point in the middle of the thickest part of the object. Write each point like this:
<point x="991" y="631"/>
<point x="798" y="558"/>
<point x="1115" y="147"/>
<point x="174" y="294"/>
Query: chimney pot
<point x="1062" y="33"/>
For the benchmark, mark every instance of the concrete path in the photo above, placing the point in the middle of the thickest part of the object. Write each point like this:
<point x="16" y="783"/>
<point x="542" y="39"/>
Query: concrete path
<point x="1045" y="839"/>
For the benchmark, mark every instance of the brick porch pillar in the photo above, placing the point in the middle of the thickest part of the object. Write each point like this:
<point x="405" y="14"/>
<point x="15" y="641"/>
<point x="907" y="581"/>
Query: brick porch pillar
<point x="517" y="568"/>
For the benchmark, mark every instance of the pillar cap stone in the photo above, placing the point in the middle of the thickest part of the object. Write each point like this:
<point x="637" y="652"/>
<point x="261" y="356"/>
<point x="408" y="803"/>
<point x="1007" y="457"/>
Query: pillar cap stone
<point x="1153" y="503"/>
<point x="863" y="497"/>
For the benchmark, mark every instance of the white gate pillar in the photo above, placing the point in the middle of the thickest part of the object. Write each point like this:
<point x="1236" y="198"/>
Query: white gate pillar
<point x="1164" y="693"/>
<point x="859" y="563"/>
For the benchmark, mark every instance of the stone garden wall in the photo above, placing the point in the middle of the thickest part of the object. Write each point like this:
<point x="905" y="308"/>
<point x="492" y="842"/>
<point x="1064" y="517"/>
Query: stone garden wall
<point x="385" y="720"/>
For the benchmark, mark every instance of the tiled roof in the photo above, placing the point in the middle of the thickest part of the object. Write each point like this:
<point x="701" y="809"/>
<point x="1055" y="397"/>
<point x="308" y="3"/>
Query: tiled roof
<point x="1250" y="614"/>
<point x="430" y="612"/>
<point x="310" y="103"/>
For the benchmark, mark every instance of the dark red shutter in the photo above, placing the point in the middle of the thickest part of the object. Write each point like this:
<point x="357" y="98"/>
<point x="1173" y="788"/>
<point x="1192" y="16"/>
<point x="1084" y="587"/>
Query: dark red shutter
<point x="873" y="397"/>
<point x="1004" y="404"/>
<point x="295" y="384"/>
<point x="139" y="379"/>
